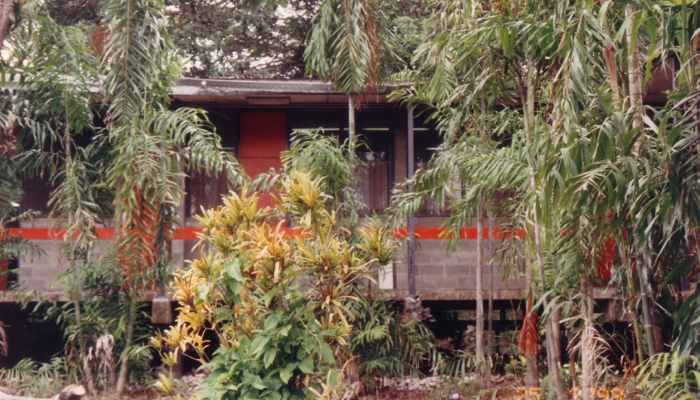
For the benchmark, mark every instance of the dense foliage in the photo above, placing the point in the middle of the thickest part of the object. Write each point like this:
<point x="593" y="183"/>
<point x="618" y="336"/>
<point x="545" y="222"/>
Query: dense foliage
<point x="248" y="39"/>
<point x="120" y="164"/>
<point x="542" y="103"/>
<point x="288" y="314"/>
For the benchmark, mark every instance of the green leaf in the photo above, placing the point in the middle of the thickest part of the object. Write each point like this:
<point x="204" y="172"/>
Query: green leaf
<point x="271" y="321"/>
<point x="269" y="357"/>
<point x="271" y="395"/>
<point x="284" y="331"/>
<point x="306" y="366"/>
<point x="258" y="344"/>
<point x="233" y="270"/>
<point x="223" y="313"/>
<point x="253" y="380"/>
<point x="267" y="299"/>
<point x="326" y="352"/>
<point x="288" y="371"/>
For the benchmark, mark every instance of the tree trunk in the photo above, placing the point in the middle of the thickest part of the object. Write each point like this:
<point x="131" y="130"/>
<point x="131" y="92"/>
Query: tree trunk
<point x="531" y="374"/>
<point x="124" y="367"/>
<point x="638" y="337"/>
<point x="77" y="298"/>
<point x="587" y="340"/>
<point x="479" y="296"/>
<point x="351" y="155"/>
<point x="489" y="335"/>
<point x="609" y="55"/>
<point x="556" y="334"/>
<point x="572" y="361"/>
<point x="530" y="106"/>
<point x="634" y="72"/>
<point x="552" y="363"/>
<point x="646" y="309"/>
<point x="526" y="98"/>
<point x="632" y="300"/>
<point x="6" y="9"/>
<point x="351" y="125"/>
<point x="74" y="222"/>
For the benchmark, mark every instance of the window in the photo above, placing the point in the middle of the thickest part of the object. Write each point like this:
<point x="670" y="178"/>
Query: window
<point x="37" y="192"/>
<point x="206" y="189"/>
<point x="426" y="140"/>
<point x="374" y="177"/>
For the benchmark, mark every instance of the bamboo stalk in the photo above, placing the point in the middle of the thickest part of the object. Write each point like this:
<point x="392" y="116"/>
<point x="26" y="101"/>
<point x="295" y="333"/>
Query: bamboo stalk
<point x="479" y="295"/>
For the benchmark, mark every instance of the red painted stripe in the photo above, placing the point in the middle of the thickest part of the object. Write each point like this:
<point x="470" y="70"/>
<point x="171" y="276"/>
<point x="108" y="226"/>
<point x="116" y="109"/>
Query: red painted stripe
<point x="187" y="234"/>
<point x="425" y="233"/>
<point x="55" y="233"/>
<point x="441" y="233"/>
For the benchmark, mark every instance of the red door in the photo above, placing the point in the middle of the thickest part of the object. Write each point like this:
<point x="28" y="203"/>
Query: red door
<point x="263" y="137"/>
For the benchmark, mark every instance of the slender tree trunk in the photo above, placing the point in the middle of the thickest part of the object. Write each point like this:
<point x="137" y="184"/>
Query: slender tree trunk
<point x="78" y="301"/>
<point x="489" y="335"/>
<point x="551" y="350"/>
<point x="609" y="55"/>
<point x="572" y="362"/>
<point x="646" y="309"/>
<point x="635" y="83"/>
<point x="587" y="339"/>
<point x="73" y="222"/>
<point x="351" y="138"/>
<point x="112" y="379"/>
<point x="632" y="300"/>
<point x="530" y="109"/>
<point x="6" y="9"/>
<point x="531" y="371"/>
<point x="124" y="367"/>
<point x="637" y="334"/>
<point x="556" y="335"/>
<point x="479" y="295"/>
<point x="634" y="72"/>
<point x="526" y="94"/>
<point x="351" y="125"/>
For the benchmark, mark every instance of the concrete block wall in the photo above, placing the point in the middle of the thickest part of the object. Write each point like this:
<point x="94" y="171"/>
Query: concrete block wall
<point x="41" y="272"/>
<point x="438" y="269"/>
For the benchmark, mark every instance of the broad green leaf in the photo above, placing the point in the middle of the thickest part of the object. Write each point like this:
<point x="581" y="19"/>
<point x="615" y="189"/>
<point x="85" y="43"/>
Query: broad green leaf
<point x="306" y="366"/>
<point x="223" y="313"/>
<point x="269" y="357"/>
<point x="326" y="352"/>
<point x="233" y="270"/>
<point x="287" y="371"/>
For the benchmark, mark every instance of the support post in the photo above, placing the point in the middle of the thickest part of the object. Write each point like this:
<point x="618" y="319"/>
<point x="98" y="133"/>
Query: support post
<point x="411" y="221"/>
<point x="351" y="125"/>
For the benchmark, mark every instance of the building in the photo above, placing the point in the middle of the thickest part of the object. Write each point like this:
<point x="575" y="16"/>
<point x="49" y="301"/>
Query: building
<point x="255" y="119"/>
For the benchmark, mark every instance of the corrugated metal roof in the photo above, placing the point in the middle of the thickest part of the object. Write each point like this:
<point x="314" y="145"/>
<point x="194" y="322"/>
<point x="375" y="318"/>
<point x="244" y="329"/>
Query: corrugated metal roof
<point x="261" y="92"/>
<point x="189" y="85"/>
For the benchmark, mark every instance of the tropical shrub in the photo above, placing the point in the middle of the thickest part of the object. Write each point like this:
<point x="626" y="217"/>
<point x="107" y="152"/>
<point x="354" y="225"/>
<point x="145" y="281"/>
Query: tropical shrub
<point x="279" y="301"/>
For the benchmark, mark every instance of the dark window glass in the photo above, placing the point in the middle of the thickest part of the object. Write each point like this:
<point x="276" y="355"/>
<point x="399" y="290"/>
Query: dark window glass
<point x="426" y="140"/>
<point x="374" y="177"/>
<point x="375" y="130"/>
<point x="37" y="192"/>
<point x="207" y="189"/>
<point x="332" y="121"/>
